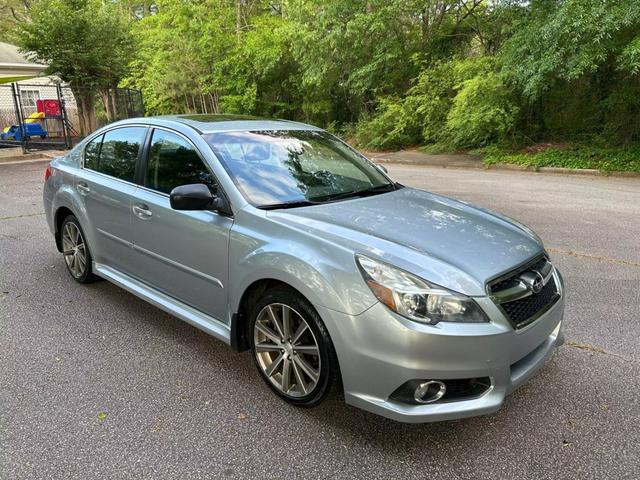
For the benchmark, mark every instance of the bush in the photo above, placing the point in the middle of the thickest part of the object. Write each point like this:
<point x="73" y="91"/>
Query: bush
<point x="421" y="116"/>
<point x="431" y="97"/>
<point x="482" y="112"/>
<point x="394" y="126"/>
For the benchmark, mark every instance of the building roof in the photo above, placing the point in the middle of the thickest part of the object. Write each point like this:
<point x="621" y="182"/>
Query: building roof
<point x="12" y="59"/>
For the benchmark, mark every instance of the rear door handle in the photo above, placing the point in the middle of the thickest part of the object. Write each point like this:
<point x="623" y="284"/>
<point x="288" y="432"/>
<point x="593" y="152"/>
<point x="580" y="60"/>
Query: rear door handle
<point x="83" y="188"/>
<point x="142" y="211"/>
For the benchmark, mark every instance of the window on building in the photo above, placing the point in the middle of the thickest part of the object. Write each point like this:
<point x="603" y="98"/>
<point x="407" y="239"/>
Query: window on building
<point x="29" y="98"/>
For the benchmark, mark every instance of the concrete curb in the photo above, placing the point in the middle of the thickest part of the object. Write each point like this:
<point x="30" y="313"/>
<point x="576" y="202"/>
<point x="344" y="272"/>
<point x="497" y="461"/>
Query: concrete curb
<point x="29" y="157"/>
<point x="510" y="167"/>
<point x="26" y="162"/>
<point x="561" y="170"/>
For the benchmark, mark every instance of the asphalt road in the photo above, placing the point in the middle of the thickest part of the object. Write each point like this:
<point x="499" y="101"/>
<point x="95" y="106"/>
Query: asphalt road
<point x="95" y="383"/>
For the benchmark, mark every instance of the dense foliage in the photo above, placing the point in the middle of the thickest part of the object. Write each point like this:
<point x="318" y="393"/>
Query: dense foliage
<point x="389" y="73"/>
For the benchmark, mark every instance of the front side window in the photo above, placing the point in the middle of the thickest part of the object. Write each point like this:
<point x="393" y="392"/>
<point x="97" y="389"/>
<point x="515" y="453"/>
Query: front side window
<point x="119" y="152"/>
<point x="286" y="168"/>
<point x="173" y="162"/>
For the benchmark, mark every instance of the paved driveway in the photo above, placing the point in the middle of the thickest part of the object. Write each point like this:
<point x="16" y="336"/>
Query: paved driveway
<point x="95" y="383"/>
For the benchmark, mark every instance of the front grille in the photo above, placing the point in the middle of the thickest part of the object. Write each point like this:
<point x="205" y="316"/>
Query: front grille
<point x="513" y="278"/>
<point x="523" y="309"/>
<point x="520" y="311"/>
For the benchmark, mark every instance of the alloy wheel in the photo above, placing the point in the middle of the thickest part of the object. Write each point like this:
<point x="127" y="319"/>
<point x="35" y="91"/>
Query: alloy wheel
<point x="287" y="350"/>
<point x="74" y="249"/>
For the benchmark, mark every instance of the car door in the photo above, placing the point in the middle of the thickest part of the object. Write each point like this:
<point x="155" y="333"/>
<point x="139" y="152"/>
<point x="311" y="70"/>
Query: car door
<point x="182" y="253"/>
<point x="106" y="185"/>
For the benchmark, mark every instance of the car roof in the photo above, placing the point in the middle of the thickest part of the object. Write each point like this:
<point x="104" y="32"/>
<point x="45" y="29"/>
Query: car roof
<point x="204" y="123"/>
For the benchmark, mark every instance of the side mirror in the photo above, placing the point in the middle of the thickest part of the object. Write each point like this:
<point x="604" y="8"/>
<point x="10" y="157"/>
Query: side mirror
<point x="381" y="167"/>
<point x="195" y="196"/>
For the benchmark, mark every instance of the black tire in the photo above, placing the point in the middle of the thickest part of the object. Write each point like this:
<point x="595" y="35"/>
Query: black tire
<point x="84" y="274"/>
<point x="328" y="362"/>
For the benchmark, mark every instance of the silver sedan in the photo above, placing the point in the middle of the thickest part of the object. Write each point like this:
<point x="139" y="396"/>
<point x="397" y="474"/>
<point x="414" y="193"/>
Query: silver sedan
<point x="278" y="238"/>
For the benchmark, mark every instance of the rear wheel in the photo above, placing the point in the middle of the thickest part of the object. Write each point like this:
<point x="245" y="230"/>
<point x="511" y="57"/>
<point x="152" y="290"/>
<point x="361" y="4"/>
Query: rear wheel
<point x="292" y="348"/>
<point x="75" y="250"/>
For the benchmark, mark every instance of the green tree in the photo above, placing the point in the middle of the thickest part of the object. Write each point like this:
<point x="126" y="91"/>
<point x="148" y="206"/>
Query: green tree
<point x="12" y="13"/>
<point x="577" y="65"/>
<point x="458" y="73"/>
<point x="86" y="43"/>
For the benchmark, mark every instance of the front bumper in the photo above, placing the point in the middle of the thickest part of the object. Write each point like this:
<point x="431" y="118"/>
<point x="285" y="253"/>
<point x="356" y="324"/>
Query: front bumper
<point x="379" y="351"/>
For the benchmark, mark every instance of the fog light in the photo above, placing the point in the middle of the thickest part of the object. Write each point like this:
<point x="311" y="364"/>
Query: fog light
<point x="429" y="392"/>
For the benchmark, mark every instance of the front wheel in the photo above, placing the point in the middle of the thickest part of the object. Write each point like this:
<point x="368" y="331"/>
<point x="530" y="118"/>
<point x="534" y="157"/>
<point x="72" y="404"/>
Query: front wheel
<point x="292" y="348"/>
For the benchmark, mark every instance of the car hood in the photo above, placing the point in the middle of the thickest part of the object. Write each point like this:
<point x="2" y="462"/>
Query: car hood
<point x="445" y="241"/>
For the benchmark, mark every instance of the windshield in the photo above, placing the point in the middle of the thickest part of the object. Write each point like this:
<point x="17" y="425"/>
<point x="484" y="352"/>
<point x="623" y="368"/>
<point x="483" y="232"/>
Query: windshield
<point x="297" y="167"/>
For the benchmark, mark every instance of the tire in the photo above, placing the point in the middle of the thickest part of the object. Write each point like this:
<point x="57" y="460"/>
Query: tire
<point x="75" y="251"/>
<point x="303" y="365"/>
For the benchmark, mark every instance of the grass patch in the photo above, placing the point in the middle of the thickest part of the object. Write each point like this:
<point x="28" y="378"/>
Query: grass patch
<point x="606" y="159"/>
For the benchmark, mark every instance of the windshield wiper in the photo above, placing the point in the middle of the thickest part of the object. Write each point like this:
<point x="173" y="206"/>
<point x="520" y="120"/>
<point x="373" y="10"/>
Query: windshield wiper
<point x="293" y="204"/>
<point x="389" y="187"/>
<point x="332" y="197"/>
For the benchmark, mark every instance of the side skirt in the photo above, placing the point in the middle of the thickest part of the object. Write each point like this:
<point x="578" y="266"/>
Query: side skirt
<point x="164" y="302"/>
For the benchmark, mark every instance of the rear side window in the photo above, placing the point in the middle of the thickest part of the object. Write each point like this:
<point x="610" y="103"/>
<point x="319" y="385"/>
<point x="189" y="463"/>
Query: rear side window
<point x="91" y="152"/>
<point x="118" y="154"/>
<point x="173" y="162"/>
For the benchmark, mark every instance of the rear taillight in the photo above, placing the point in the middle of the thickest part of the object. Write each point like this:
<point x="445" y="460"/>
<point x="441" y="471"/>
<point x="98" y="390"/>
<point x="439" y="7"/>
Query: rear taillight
<point x="48" y="172"/>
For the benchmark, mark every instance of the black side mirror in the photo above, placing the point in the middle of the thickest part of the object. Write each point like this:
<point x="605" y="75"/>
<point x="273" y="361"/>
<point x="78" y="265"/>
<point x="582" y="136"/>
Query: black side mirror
<point x="195" y="196"/>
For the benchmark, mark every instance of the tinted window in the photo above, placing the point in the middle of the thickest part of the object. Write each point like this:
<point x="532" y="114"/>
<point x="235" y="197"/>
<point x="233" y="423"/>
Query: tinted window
<point x="91" y="152"/>
<point x="119" y="152"/>
<point x="174" y="162"/>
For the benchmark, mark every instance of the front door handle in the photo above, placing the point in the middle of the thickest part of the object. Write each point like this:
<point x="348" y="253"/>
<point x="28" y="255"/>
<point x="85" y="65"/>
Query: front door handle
<point x="83" y="188"/>
<point x="142" y="211"/>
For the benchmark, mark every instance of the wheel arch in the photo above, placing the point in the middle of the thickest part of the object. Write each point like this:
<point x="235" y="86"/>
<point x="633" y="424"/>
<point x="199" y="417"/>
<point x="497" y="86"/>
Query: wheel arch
<point x="322" y="280"/>
<point x="60" y="214"/>
<point x="65" y="202"/>
<point x="239" y="320"/>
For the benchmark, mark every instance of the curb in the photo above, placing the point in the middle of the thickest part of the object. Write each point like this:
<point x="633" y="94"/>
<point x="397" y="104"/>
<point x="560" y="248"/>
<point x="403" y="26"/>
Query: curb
<point x="453" y="164"/>
<point x="28" y="158"/>
<point x="25" y="162"/>
<point x="562" y="170"/>
<point x="514" y="167"/>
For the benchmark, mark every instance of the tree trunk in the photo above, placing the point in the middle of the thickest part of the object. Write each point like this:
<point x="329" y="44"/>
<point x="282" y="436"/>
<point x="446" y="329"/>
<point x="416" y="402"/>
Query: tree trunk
<point x="85" y="101"/>
<point x="238" y="17"/>
<point x="204" y="103"/>
<point x="105" y="96"/>
<point x="215" y="104"/>
<point x="113" y="97"/>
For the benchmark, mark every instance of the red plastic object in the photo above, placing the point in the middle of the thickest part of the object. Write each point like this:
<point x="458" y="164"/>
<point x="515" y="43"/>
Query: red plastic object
<point x="48" y="172"/>
<point x="50" y="108"/>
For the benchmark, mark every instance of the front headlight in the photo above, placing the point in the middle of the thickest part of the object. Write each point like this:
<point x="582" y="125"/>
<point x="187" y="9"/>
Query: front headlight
<point x="415" y="298"/>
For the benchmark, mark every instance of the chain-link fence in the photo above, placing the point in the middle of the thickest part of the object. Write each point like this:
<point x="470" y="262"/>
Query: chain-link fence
<point x="7" y="108"/>
<point x="44" y="115"/>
